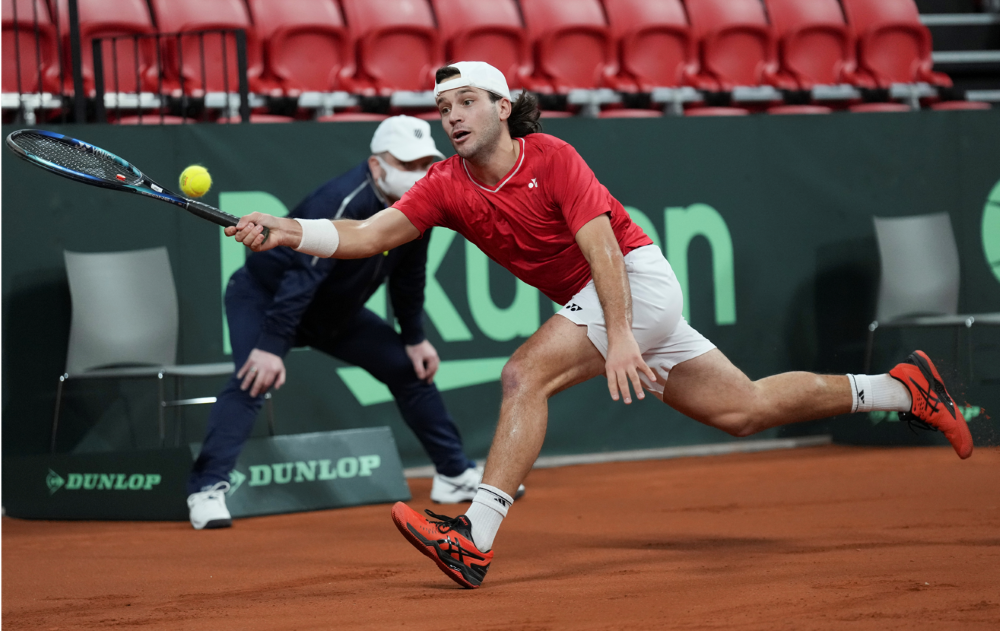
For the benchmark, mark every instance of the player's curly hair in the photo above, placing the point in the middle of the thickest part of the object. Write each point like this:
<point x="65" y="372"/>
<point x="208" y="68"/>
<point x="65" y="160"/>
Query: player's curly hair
<point x="524" y="112"/>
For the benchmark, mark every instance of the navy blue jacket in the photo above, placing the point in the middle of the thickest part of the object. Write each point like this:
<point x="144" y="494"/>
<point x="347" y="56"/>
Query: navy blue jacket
<point x="315" y="297"/>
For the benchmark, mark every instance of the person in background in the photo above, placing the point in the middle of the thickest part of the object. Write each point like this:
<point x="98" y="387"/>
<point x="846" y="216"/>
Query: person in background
<point x="282" y="299"/>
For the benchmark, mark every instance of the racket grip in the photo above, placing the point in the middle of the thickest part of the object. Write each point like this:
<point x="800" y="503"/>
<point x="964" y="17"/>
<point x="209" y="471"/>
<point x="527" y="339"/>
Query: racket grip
<point x="218" y="217"/>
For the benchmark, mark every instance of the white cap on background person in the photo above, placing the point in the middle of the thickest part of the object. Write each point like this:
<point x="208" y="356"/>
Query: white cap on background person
<point x="475" y="74"/>
<point x="406" y="138"/>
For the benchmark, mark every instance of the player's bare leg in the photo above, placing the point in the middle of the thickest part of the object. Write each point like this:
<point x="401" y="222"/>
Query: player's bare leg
<point x="710" y="389"/>
<point x="557" y="356"/>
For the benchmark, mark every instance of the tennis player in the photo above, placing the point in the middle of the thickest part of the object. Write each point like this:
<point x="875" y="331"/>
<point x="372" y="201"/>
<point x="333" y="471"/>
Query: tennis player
<point x="531" y="203"/>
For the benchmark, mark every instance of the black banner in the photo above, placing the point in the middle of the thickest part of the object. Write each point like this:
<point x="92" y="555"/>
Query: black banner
<point x="288" y="474"/>
<point x="767" y="221"/>
<point x="144" y="485"/>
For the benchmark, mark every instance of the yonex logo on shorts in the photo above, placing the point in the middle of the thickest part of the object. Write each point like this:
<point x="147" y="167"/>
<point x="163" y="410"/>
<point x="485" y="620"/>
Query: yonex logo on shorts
<point x="574" y="307"/>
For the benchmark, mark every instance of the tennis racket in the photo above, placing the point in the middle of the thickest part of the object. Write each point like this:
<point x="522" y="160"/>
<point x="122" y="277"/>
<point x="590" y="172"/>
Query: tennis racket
<point x="83" y="162"/>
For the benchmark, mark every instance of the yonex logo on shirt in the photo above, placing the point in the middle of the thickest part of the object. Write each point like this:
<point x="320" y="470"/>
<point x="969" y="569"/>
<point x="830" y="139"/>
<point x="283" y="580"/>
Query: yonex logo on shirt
<point x="533" y="183"/>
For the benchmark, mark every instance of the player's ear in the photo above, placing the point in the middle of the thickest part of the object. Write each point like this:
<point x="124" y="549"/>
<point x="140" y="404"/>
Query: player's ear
<point x="376" y="169"/>
<point x="504" y="108"/>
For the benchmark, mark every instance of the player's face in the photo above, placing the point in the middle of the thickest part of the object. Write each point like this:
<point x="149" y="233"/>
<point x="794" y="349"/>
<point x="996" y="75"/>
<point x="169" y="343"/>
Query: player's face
<point x="472" y="121"/>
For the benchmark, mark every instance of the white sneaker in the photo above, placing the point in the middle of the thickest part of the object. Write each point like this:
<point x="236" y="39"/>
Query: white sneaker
<point x="208" y="508"/>
<point x="461" y="488"/>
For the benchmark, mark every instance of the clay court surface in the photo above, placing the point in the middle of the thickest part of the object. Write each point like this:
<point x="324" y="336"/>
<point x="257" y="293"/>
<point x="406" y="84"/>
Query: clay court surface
<point x="820" y="538"/>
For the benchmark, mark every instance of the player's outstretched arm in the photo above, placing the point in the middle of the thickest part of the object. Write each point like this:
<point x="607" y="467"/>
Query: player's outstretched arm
<point x="607" y="266"/>
<point x="349" y="238"/>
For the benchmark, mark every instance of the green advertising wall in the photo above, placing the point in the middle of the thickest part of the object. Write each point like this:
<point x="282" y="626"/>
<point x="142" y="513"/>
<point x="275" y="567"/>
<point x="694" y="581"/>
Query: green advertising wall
<point x="767" y="222"/>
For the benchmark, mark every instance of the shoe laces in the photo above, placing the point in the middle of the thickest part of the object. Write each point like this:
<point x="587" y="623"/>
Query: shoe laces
<point x="218" y="491"/>
<point x="915" y="423"/>
<point x="443" y="523"/>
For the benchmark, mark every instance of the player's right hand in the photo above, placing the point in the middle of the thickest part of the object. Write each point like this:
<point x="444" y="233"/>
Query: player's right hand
<point x="249" y="231"/>
<point x="261" y="371"/>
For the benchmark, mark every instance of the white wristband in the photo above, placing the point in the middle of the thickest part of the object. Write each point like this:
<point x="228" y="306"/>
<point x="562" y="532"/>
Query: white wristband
<point x="319" y="237"/>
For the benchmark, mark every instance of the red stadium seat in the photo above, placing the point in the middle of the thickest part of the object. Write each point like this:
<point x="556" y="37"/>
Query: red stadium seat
<point x="352" y="117"/>
<point x="257" y="118"/>
<point x="397" y="46"/>
<point x="473" y="30"/>
<point x="893" y="45"/>
<point x="624" y="113"/>
<point x="738" y="47"/>
<point x="654" y="45"/>
<point x="39" y="73"/>
<point x="864" y="108"/>
<point x="153" y="119"/>
<point x="305" y="41"/>
<point x="799" y="109"/>
<point x="110" y="18"/>
<point x="961" y="105"/>
<point x="571" y="43"/>
<point x="185" y="16"/>
<point x="816" y="47"/>
<point x="717" y="111"/>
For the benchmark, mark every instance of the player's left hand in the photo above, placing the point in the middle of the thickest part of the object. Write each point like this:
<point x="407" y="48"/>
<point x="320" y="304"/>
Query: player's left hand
<point x="425" y="360"/>
<point x="623" y="364"/>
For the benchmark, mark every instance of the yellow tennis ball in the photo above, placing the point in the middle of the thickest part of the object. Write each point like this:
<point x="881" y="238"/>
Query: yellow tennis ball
<point x="195" y="181"/>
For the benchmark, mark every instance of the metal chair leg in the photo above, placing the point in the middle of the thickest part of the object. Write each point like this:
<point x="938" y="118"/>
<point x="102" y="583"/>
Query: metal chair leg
<point x="869" y="346"/>
<point x="55" y="417"/>
<point x="163" y="404"/>
<point x="269" y="404"/>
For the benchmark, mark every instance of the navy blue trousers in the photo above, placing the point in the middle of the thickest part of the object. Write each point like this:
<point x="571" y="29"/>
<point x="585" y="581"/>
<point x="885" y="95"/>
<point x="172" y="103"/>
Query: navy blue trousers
<point x="367" y="341"/>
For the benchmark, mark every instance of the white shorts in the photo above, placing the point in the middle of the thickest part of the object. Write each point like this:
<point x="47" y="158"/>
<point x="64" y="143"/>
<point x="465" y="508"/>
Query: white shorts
<point x="664" y="336"/>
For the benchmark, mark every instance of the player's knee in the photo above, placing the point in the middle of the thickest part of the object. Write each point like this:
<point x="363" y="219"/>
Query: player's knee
<point x="733" y="423"/>
<point x="510" y="377"/>
<point x="514" y="378"/>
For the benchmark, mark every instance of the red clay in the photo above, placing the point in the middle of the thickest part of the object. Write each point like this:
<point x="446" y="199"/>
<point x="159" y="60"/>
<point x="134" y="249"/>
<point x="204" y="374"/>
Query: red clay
<point x="824" y="538"/>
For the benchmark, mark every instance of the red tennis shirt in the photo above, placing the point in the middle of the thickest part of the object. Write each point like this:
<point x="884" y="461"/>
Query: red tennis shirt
<point x="528" y="221"/>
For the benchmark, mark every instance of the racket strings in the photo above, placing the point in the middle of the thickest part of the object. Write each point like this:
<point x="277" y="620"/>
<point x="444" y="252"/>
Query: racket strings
<point x="92" y="162"/>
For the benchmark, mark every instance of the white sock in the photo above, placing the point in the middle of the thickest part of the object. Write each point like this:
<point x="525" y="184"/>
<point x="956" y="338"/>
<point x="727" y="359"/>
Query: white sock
<point x="488" y="509"/>
<point x="878" y="392"/>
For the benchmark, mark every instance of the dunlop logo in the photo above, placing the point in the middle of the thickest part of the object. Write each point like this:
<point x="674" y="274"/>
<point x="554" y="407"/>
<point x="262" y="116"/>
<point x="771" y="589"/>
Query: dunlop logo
<point x="305" y="471"/>
<point x="102" y="481"/>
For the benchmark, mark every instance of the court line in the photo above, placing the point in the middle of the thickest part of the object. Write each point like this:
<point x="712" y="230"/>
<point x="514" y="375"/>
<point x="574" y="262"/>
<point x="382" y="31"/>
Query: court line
<point x="687" y="451"/>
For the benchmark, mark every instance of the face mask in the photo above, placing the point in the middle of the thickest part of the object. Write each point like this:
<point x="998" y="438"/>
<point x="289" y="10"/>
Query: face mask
<point x="396" y="182"/>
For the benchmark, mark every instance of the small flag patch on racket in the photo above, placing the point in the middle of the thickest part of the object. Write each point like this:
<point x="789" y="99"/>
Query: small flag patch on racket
<point x="121" y="178"/>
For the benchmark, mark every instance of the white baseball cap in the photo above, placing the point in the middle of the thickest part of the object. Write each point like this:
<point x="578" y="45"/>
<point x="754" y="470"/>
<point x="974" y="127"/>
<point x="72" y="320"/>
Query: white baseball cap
<point x="475" y="74"/>
<point x="406" y="138"/>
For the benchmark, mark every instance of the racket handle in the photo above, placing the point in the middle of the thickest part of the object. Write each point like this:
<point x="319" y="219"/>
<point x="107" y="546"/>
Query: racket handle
<point x="216" y="216"/>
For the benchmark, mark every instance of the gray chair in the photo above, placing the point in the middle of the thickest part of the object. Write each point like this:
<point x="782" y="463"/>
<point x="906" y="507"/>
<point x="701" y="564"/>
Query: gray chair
<point x="920" y="279"/>
<point x="125" y="326"/>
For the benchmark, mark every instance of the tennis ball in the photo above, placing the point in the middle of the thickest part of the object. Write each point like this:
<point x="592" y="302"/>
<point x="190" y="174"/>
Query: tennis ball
<point x="195" y="181"/>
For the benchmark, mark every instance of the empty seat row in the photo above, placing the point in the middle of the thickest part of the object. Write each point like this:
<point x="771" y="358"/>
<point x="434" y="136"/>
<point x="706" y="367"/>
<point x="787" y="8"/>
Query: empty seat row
<point x="381" y="47"/>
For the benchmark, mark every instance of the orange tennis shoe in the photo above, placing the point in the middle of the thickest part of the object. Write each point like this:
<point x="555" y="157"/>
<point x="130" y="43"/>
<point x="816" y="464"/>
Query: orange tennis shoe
<point x="447" y="541"/>
<point x="932" y="407"/>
